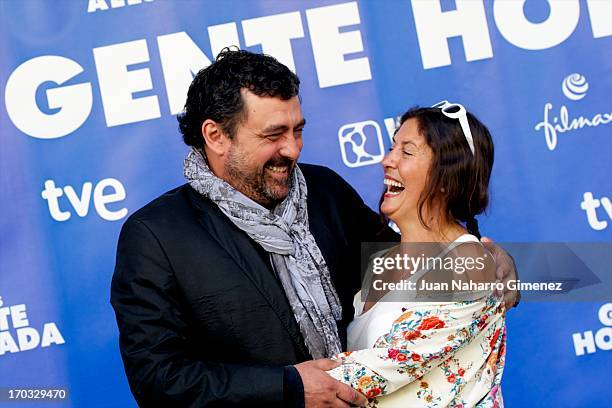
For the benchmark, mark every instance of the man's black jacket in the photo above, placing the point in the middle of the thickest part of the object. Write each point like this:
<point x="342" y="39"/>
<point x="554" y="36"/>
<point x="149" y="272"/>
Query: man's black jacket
<point x="203" y="320"/>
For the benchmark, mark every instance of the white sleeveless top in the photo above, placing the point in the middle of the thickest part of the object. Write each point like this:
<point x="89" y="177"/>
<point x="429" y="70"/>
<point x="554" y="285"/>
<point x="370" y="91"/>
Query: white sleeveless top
<point x="367" y="327"/>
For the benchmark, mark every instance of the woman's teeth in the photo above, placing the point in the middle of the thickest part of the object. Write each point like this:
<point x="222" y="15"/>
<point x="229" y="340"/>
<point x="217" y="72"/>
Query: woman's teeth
<point x="393" y="187"/>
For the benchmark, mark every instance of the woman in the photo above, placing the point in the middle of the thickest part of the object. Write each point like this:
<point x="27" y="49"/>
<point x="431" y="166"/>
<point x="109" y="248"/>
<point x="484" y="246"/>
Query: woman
<point x="429" y="349"/>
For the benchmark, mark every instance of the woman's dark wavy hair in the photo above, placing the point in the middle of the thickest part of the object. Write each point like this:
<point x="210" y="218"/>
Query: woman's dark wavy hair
<point x="457" y="180"/>
<point x="215" y="91"/>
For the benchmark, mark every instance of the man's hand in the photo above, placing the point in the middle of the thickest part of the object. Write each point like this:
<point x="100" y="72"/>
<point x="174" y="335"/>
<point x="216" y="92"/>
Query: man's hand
<point x="506" y="270"/>
<point x="321" y="390"/>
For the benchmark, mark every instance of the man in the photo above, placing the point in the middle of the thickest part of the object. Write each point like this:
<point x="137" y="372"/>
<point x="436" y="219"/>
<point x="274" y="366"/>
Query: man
<point x="226" y="288"/>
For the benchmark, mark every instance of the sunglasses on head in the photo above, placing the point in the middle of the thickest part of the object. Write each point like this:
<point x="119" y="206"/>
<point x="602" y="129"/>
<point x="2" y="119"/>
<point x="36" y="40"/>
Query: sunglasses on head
<point x="457" y="111"/>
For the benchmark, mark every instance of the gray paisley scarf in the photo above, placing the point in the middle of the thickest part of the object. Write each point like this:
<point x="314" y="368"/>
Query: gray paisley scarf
<point x="295" y="256"/>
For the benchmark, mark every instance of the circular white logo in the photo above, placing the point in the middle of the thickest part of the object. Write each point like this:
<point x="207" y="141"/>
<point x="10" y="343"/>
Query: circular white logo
<point x="575" y="87"/>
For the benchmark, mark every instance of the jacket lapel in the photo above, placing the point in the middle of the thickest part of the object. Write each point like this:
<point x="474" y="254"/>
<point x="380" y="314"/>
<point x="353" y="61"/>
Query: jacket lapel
<point x="239" y="246"/>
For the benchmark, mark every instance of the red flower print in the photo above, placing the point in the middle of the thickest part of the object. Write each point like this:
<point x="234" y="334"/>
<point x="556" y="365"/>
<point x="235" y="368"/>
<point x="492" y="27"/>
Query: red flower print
<point x="451" y="378"/>
<point x="373" y="392"/>
<point x="401" y="357"/>
<point x="494" y="339"/>
<point x="447" y="349"/>
<point x="392" y="353"/>
<point x="416" y="357"/>
<point x="431" y="323"/>
<point x="483" y="321"/>
<point x="461" y="372"/>
<point x="412" y="334"/>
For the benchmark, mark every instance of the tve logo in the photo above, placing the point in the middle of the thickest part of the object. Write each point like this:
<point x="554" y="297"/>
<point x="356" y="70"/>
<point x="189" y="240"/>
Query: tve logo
<point x="590" y="205"/>
<point x="361" y="143"/>
<point x="586" y="343"/>
<point x="574" y="87"/>
<point x="79" y="202"/>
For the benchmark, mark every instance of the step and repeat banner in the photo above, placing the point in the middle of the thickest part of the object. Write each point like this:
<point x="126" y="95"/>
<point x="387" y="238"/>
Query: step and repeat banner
<point x="90" y="93"/>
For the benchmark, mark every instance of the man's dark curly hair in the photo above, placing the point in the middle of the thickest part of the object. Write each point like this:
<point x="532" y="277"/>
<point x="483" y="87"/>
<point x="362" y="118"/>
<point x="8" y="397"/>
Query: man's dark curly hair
<point x="215" y="91"/>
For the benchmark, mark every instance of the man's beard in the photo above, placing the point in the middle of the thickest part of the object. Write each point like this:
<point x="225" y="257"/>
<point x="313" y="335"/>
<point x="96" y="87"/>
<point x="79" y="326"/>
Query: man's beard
<point x="256" y="183"/>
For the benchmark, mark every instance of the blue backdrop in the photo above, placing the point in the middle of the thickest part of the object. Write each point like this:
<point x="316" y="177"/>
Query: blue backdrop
<point x="90" y="90"/>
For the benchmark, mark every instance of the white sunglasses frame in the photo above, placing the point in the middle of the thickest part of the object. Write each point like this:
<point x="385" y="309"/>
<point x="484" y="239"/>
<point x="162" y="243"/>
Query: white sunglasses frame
<point x="461" y="114"/>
